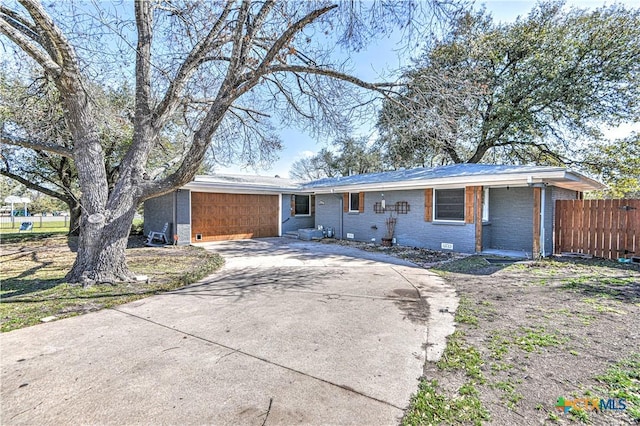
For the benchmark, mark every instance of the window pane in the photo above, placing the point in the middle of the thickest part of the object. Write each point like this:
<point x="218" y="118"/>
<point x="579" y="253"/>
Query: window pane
<point x="302" y="204"/>
<point x="354" y="201"/>
<point x="449" y="204"/>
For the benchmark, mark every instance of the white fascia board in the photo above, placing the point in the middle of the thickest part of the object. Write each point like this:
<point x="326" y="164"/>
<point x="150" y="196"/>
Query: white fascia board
<point x="583" y="182"/>
<point x="238" y="189"/>
<point x="557" y="177"/>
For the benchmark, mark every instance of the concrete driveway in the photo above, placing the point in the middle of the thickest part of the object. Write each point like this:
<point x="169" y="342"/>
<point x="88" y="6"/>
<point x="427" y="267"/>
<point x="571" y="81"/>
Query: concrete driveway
<point x="288" y="332"/>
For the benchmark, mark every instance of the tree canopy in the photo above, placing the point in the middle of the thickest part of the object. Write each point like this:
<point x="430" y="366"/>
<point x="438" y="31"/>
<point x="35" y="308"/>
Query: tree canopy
<point x="617" y="163"/>
<point x="534" y="91"/>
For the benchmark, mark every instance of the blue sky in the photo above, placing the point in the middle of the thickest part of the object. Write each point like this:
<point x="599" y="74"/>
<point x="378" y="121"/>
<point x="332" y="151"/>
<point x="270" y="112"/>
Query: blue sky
<point x="380" y="57"/>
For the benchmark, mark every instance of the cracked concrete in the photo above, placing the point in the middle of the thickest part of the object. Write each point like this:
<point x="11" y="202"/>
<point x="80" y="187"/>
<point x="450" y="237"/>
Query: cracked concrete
<point x="288" y="331"/>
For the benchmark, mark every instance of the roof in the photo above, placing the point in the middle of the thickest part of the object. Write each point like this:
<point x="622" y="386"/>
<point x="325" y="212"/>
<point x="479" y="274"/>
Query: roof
<point x="455" y="175"/>
<point x="242" y="184"/>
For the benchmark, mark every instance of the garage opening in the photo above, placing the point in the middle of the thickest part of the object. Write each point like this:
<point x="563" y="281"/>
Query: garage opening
<point x="218" y="217"/>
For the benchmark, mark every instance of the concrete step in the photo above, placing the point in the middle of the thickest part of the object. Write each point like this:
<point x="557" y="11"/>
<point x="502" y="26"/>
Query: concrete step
<point x="291" y="234"/>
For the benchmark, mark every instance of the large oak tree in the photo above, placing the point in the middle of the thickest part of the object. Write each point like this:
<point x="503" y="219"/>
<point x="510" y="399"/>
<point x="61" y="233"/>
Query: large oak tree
<point x="210" y="73"/>
<point x="532" y="91"/>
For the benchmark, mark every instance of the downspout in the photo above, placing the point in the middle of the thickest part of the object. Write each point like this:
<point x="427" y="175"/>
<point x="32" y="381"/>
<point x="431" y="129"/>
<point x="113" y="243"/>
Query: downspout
<point x="542" y="214"/>
<point x="280" y="212"/>
<point x="175" y="215"/>
<point x="341" y="212"/>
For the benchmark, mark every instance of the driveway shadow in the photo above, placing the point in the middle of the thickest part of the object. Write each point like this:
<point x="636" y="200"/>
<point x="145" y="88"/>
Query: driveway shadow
<point x="239" y="283"/>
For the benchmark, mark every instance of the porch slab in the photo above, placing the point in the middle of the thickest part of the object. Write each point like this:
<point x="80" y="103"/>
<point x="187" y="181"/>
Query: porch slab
<point x="506" y="253"/>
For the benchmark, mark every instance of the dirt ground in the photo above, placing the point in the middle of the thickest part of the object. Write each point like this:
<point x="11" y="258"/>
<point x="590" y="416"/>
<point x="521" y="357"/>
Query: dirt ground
<point x="540" y="330"/>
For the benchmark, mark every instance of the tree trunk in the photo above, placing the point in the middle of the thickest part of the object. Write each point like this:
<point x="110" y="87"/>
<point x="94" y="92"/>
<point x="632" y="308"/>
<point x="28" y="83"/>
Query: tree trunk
<point x="75" y="211"/>
<point x="101" y="250"/>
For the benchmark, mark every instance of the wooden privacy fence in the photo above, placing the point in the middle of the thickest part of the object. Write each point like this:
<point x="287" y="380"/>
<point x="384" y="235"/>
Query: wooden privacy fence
<point x="602" y="228"/>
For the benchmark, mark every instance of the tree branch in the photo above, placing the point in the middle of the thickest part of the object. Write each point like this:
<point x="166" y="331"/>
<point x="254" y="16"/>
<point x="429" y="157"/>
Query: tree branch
<point x="377" y="87"/>
<point x="37" y="145"/>
<point x="53" y="40"/>
<point x="32" y="185"/>
<point x="144" y="23"/>
<point x="196" y="57"/>
<point x="27" y="44"/>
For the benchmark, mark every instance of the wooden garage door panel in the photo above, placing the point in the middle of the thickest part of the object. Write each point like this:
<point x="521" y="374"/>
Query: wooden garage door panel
<point x="233" y="216"/>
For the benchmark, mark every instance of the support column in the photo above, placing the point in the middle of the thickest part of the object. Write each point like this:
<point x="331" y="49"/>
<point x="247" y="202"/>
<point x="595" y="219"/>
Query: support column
<point x="478" y="219"/>
<point x="536" y="222"/>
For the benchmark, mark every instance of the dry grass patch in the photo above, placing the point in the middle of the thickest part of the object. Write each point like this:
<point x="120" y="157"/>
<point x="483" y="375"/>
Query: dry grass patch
<point x="33" y="270"/>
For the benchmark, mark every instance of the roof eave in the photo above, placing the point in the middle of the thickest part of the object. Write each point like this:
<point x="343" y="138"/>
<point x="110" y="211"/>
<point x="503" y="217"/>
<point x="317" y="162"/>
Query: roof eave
<point x="559" y="177"/>
<point x="240" y="188"/>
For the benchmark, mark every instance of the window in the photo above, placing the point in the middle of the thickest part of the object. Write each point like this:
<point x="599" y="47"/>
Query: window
<point x="302" y="205"/>
<point x="354" y="201"/>
<point x="449" y="204"/>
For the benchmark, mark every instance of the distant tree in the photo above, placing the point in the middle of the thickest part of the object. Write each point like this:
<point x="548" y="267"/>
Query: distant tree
<point x="213" y="72"/>
<point x="315" y="167"/>
<point x="525" y="92"/>
<point x="350" y="156"/>
<point x="617" y="164"/>
<point x="32" y="114"/>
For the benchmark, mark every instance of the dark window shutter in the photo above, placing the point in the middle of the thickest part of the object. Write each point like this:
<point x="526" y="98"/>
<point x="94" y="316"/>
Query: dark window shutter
<point x="428" y="204"/>
<point x="469" y="193"/>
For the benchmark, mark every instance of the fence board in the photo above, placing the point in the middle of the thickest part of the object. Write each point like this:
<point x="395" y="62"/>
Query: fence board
<point x="602" y="228"/>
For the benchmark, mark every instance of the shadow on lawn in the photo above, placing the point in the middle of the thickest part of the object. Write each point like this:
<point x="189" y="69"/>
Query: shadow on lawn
<point x="78" y="297"/>
<point x="625" y="289"/>
<point x="19" y="287"/>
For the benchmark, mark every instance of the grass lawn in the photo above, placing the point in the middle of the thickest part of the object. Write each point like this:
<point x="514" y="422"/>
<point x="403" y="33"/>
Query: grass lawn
<point x="50" y="228"/>
<point x="34" y="266"/>
<point x="529" y="334"/>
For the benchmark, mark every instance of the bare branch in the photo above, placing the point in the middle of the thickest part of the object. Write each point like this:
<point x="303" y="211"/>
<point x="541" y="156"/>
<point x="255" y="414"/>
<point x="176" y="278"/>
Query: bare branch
<point x="27" y="44"/>
<point x="285" y="39"/>
<point x="37" y="145"/>
<point x="32" y="185"/>
<point x="382" y="88"/>
<point x="196" y="57"/>
<point x="53" y="40"/>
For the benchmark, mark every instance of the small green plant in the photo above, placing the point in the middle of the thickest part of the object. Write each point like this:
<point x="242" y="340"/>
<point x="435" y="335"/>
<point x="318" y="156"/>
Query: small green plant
<point x="501" y="366"/>
<point x="579" y="415"/>
<point x="553" y="416"/>
<point x="508" y="387"/>
<point x="622" y="380"/>
<point x="499" y="346"/>
<point x="459" y="356"/>
<point x="466" y="314"/>
<point x="468" y="389"/>
<point x="533" y="339"/>
<point x="429" y="407"/>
